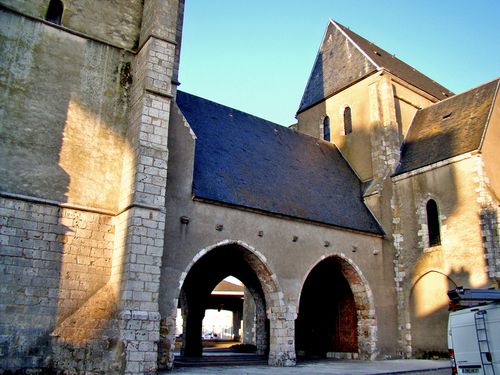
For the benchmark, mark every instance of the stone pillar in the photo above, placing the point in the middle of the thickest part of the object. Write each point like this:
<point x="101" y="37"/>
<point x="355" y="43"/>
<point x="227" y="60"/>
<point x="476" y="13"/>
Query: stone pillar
<point x="261" y="325"/>
<point x="193" y="331"/>
<point x="136" y="274"/>
<point x="248" y="318"/>
<point x="385" y="137"/>
<point x="400" y="277"/>
<point x="166" y="345"/>
<point x="140" y="225"/>
<point x="282" y="343"/>
<point x="237" y="314"/>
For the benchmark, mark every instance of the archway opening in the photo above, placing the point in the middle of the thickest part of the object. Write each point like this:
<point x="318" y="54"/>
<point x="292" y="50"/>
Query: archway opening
<point x="327" y="320"/>
<point x="229" y="321"/>
<point x="336" y="317"/>
<point x="205" y="294"/>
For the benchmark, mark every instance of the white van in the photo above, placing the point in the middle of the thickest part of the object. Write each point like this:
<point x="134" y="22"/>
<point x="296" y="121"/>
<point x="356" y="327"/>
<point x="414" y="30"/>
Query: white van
<point x="474" y="339"/>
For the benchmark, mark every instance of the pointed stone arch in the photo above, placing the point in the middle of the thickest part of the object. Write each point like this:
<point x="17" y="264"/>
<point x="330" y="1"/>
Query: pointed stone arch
<point x="252" y="268"/>
<point x="428" y="313"/>
<point x="362" y="296"/>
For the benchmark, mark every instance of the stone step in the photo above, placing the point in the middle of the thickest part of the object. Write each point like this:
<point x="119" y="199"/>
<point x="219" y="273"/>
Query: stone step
<point x="221" y="360"/>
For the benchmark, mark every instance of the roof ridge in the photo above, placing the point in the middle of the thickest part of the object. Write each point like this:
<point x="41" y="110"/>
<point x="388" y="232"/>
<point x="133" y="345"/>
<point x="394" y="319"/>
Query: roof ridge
<point x="340" y="27"/>
<point x="281" y="127"/>
<point x="227" y="106"/>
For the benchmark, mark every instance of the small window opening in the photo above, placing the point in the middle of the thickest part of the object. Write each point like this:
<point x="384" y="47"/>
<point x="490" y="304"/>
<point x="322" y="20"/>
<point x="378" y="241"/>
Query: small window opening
<point x="326" y="129"/>
<point x="433" y="223"/>
<point x="55" y="12"/>
<point x="447" y="115"/>
<point x="347" y="121"/>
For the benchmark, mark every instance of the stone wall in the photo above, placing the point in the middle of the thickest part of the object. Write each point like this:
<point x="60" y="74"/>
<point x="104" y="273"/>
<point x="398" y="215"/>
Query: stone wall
<point x="83" y="182"/>
<point x="490" y="231"/>
<point x="424" y="272"/>
<point x="384" y="134"/>
<point x="382" y="108"/>
<point x="71" y="96"/>
<point x="137" y="261"/>
<point x="288" y="261"/>
<point x="114" y="22"/>
<point x="489" y="220"/>
<point x="52" y="260"/>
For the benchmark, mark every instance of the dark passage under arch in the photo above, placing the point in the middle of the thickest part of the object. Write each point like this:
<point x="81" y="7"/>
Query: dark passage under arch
<point x="327" y="319"/>
<point x="206" y="273"/>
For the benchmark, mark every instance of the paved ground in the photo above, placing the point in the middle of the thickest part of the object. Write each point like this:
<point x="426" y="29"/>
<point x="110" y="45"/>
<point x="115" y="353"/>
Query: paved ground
<point x="324" y="367"/>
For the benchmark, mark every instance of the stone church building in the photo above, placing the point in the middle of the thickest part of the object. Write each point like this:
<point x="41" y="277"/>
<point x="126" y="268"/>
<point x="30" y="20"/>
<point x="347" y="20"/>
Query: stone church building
<point x="123" y="199"/>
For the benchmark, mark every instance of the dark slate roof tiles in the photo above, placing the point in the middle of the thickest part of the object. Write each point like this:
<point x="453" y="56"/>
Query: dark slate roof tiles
<point x="340" y="64"/>
<point x="448" y="128"/>
<point x="245" y="161"/>
<point x="397" y="67"/>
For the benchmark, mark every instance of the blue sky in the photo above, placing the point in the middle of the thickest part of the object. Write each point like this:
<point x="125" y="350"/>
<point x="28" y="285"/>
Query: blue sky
<point x="257" y="55"/>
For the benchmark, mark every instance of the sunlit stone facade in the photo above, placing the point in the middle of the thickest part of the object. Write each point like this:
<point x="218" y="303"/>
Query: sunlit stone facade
<point x="101" y="241"/>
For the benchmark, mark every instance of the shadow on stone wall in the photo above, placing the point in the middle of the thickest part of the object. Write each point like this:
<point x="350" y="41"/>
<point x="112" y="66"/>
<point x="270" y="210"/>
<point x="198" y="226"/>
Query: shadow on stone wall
<point x="61" y="144"/>
<point x="428" y="313"/>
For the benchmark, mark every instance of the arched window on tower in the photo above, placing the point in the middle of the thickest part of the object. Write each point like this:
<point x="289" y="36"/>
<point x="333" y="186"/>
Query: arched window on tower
<point x="433" y="223"/>
<point x="347" y="121"/>
<point x="326" y="128"/>
<point x="55" y="12"/>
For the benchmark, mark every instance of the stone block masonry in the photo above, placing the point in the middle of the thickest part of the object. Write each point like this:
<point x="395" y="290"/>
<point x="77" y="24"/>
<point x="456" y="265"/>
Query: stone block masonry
<point x="489" y="223"/>
<point x="52" y="259"/>
<point x="79" y="286"/>
<point x="139" y="248"/>
<point x="67" y="300"/>
<point x="282" y="336"/>
<point x="136" y="275"/>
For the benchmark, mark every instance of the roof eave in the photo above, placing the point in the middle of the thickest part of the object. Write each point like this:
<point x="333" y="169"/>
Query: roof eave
<point x="379" y="233"/>
<point x="412" y="87"/>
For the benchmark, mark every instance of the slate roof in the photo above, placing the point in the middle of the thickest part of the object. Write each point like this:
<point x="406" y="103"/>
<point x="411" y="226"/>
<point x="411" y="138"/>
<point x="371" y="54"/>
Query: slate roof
<point x="339" y="64"/>
<point x="245" y="161"/>
<point x="448" y="128"/>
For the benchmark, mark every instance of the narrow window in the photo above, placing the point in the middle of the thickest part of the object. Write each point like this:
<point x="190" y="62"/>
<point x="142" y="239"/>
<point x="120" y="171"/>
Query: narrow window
<point x="55" y="11"/>
<point x="347" y="121"/>
<point x="433" y="223"/>
<point x="326" y="129"/>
